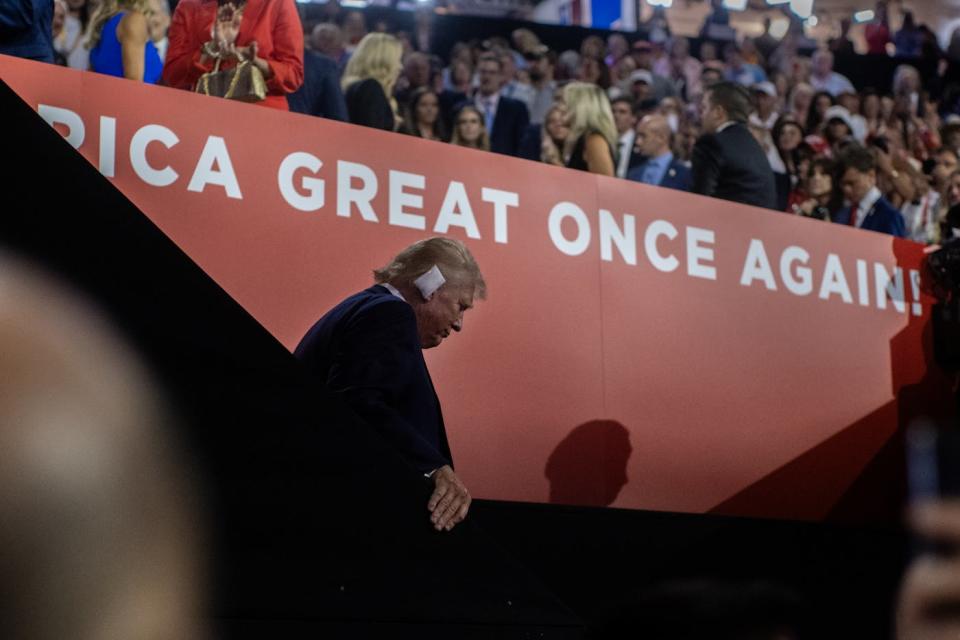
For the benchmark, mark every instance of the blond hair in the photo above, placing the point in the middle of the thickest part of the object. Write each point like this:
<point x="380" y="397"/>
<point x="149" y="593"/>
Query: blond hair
<point x="378" y="56"/>
<point x="483" y="142"/>
<point x="452" y="257"/>
<point x="108" y="9"/>
<point x="589" y="111"/>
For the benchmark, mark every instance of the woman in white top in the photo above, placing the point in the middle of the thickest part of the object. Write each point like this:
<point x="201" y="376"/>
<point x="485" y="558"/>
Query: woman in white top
<point x="69" y="43"/>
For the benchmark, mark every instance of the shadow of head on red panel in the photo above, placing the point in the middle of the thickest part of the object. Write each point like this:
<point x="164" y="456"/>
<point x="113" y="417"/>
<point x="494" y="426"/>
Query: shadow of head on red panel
<point x="589" y="466"/>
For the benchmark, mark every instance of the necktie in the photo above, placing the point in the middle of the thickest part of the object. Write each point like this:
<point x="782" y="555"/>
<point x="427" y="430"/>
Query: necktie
<point x="853" y="216"/>
<point x="488" y="114"/>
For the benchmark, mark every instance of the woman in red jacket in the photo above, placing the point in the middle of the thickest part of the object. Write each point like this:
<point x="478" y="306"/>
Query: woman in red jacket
<point x="267" y="32"/>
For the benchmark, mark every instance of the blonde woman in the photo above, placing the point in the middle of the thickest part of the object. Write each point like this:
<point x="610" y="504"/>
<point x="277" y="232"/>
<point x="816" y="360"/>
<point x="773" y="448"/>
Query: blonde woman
<point x="554" y="135"/>
<point x="469" y="130"/>
<point x="368" y="81"/>
<point x="119" y="41"/>
<point x="593" y="136"/>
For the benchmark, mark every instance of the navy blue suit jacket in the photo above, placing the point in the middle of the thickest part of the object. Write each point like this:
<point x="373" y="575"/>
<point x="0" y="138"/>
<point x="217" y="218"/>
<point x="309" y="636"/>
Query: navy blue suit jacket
<point x="25" y="29"/>
<point x="884" y="217"/>
<point x="367" y="351"/>
<point x="320" y="93"/>
<point x="530" y="143"/>
<point x="677" y="175"/>
<point x="509" y="125"/>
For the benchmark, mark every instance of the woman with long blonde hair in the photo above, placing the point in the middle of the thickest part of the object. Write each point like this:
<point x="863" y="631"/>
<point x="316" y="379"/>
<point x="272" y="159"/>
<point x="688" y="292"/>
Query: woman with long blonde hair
<point x="369" y="79"/>
<point x="119" y="41"/>
<point x="593" y="136"/>
<point x="554" y="135"/>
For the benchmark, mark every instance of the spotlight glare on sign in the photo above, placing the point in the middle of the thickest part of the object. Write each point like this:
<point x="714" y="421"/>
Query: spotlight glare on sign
<point x="735" y="5"/>
<point x="863" y="16"/>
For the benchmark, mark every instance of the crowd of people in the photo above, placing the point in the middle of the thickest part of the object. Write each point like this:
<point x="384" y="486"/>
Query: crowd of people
<point x="754" y="120"/>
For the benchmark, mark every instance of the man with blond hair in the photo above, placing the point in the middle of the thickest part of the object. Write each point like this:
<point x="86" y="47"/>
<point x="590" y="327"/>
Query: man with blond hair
<point x="369" y="351"/>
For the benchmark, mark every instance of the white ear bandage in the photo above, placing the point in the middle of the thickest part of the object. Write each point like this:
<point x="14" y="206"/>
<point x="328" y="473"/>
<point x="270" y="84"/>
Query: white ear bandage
<point x="429" y="282"/>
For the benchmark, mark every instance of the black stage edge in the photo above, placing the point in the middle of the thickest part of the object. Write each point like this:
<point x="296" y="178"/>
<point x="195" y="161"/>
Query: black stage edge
<point x="318" y="528"/>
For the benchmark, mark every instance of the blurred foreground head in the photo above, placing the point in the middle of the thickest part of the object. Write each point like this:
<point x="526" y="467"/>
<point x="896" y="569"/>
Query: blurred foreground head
<point x="97" y="529"/>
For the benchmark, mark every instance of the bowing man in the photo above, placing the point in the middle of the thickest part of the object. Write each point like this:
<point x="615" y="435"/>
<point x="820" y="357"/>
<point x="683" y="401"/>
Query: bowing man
<point x="369" y="350"/>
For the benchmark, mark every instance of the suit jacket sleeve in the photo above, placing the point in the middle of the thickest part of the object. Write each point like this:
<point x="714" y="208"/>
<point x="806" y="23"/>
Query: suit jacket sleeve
<point x="530" y="143"/>
<point x="286" y="59"/>
<point x="379" y="352"/>
<point x="182" y="68"/>
<point x="332" y="104"/>
<point x="897" y="225"/>
<point x="706" y="165"/>
<point x="16" y="15"/>
<point x="682" y="180"/>
<point x="521" y="122"/>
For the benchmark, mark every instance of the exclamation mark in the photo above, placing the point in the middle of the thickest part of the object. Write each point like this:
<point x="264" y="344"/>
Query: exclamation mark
<point x="915" y="290"/>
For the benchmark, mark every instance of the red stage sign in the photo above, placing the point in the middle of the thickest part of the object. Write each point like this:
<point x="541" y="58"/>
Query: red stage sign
<point x="640" y="347"/>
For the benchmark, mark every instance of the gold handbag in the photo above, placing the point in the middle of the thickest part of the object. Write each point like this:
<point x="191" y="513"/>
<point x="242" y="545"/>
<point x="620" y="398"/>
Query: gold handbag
<point x="243" y="82"/>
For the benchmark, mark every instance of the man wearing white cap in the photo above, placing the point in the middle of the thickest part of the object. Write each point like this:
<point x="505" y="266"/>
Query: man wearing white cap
<point x="641" y="85"/>
<point x="762" y="119"/>
<point x="837" y="125"/>
<point x="368" y="351"/>
<point x="765" y="114"/>
<point x="643" y="55"/>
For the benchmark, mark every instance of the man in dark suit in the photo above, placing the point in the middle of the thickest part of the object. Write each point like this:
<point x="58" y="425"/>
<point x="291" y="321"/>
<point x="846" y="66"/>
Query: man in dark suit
<point x="368" y="350"/>
<point x="506" y="119"/>
<point x="728" y="162"/>
<point x="868" y="209"/>
<point x="659" y="167"/>
<point x="320" y="93"/>
<point x="625" y="120"/>
<point x="26" y="29"/>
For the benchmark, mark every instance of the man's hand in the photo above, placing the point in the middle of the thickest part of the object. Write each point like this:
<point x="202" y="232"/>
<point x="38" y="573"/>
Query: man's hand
<point x="929" y="605"/>
<point x="450" y="500"/>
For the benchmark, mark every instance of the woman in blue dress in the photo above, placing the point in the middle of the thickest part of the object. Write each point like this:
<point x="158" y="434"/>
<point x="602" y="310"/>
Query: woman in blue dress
<point x="120" y="44"/>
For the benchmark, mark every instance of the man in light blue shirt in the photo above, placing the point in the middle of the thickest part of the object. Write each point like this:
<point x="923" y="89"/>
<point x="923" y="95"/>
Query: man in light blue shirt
<point x="660" y="167"/>
<point x="655" y="168"/>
